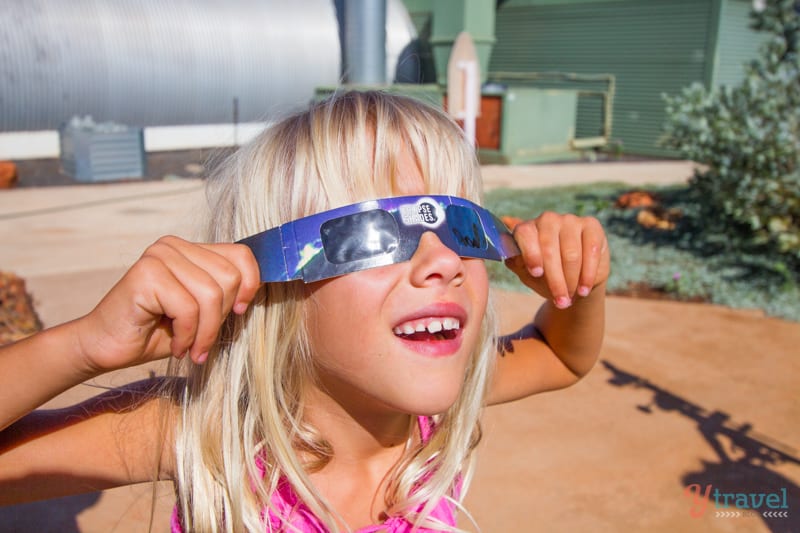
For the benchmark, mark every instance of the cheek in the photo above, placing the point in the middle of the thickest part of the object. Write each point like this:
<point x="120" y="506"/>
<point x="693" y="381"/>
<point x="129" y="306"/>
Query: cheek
<point x="341" y="312"/>
<point x="479" y="280"/>
<point x="479" y="291"/>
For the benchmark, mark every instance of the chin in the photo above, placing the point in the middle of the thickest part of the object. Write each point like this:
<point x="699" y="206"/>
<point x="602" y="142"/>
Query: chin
<point x="430" y="405"/>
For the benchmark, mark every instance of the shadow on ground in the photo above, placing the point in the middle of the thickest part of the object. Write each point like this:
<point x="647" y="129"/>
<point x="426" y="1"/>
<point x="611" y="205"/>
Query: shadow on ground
<point x="743" y="471"/>
<point x="47" y="516"/>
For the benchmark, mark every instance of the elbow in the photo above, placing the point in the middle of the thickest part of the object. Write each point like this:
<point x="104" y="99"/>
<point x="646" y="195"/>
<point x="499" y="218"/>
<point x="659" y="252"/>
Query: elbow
<point x="580" y="366"/>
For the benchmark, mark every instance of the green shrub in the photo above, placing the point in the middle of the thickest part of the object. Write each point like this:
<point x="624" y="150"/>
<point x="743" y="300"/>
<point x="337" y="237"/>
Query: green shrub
<point x="748" y="139"/>
<point x="688" y="263"/>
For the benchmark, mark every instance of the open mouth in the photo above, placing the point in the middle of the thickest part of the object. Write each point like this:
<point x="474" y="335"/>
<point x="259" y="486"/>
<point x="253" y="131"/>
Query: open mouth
<point x="429" y="329"/>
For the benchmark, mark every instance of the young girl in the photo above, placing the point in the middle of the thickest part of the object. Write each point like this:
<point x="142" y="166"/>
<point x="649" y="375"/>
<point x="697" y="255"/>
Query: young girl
<point x="332" y="367"/>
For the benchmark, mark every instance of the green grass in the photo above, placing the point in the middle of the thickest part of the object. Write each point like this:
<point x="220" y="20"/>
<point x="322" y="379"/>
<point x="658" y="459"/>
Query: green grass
<point x="686" y="263"/>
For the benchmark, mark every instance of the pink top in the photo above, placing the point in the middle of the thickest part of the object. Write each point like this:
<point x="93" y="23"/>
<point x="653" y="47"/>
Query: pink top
<point x="291" y="509"/>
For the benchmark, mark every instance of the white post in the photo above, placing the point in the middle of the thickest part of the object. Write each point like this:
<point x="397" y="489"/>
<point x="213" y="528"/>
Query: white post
<point x="470" y="105"/>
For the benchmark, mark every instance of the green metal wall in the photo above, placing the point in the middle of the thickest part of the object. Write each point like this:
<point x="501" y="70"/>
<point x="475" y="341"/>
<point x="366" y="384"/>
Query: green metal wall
<point x="651" y="47"/>
<point x="545" y="2"/>
<point x="420" y="12"/>
<point x="737" y="43"/>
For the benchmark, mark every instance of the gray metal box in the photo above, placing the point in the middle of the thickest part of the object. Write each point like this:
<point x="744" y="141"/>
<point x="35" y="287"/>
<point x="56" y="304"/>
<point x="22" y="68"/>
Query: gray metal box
<point x="93" y="152"/>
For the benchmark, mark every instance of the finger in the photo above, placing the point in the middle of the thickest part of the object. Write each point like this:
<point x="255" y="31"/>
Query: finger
<point x="233" y="266"/>
<point x="549" y="225"/>
<point x="166" y="297"/>
<point x="249" y="279"/>
<point x="204" y="288"/>
<point x="526" y="234"/>
<point x="211" y="259"/>
<point x="571" y="246"/>
<point x="594" y="242"/>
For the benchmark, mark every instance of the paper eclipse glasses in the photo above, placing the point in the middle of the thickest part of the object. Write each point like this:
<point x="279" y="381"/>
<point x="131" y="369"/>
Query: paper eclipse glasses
<point x="376" y="233"/>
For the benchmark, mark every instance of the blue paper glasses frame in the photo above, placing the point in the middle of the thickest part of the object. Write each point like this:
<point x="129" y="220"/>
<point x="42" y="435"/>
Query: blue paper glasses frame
<point x="376" y="233"/>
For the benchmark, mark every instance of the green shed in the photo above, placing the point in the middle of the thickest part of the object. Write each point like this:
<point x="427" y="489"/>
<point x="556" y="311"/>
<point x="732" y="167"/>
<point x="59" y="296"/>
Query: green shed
<point x="651" y="47"/>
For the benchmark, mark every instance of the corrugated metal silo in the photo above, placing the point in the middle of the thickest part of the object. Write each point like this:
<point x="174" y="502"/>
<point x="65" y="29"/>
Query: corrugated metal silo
<point x="159" y="62"/>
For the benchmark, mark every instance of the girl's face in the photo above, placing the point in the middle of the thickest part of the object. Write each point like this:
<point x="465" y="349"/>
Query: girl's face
<point x="399" y="337"/>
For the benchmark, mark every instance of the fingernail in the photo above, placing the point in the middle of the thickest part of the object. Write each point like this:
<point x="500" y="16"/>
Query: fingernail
<point x="537" y="272"/>
<point x="202" y="358"/>
<point x="562" y="302"/>
<point x="583" y="290"/>
<point x="240" y="308"/>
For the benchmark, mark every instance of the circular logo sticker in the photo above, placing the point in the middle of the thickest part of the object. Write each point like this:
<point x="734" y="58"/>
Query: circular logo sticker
<point x="425" y="212"/>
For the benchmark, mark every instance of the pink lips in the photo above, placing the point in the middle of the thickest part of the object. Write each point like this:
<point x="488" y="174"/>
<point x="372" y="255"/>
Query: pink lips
<point x="441" y="347"/>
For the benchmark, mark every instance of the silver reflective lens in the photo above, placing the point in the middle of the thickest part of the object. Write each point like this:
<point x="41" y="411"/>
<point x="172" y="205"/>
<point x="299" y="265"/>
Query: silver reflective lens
<point x="359" y="236"/>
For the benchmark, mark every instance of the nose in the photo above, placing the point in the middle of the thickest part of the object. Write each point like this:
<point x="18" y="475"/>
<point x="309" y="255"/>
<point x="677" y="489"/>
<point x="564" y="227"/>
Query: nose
<point x="433" y="262"/>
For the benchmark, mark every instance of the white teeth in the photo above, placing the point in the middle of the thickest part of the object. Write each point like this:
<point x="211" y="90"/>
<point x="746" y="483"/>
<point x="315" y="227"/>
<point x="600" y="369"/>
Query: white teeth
<point x="435" y="326"/>
<point x="450" y="323"/>
<point x="432" y="325"/>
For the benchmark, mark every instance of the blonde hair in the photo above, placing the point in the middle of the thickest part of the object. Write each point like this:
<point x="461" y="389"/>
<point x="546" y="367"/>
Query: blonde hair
<point x="246" y="402"/>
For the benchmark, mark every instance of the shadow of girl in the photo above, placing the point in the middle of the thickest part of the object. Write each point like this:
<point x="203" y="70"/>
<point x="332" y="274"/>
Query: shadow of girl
<point x="750" y="485"/>
<point x="50" y="516"/>
<point x="742" y="479"/>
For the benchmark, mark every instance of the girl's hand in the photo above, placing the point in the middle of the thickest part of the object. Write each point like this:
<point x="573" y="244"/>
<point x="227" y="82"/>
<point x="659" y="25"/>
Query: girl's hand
<point x="563" y="256"/>
<point x="172" y="301"/>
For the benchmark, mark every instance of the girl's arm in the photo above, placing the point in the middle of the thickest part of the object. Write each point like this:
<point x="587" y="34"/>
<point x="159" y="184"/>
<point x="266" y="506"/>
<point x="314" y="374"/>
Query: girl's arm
<point x="565" y="259"/>
<point x="119" y="438"/>
<point x="171" y="302"/>
<point x="38" y="368"/>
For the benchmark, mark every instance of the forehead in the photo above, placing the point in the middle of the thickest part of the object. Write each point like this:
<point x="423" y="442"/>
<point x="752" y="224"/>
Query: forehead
<point x="408" y="178"/>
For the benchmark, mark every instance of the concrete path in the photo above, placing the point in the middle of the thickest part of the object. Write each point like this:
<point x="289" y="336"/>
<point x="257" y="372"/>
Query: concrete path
<point x="685" y="395"/>
<point x="546" y="175"/>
